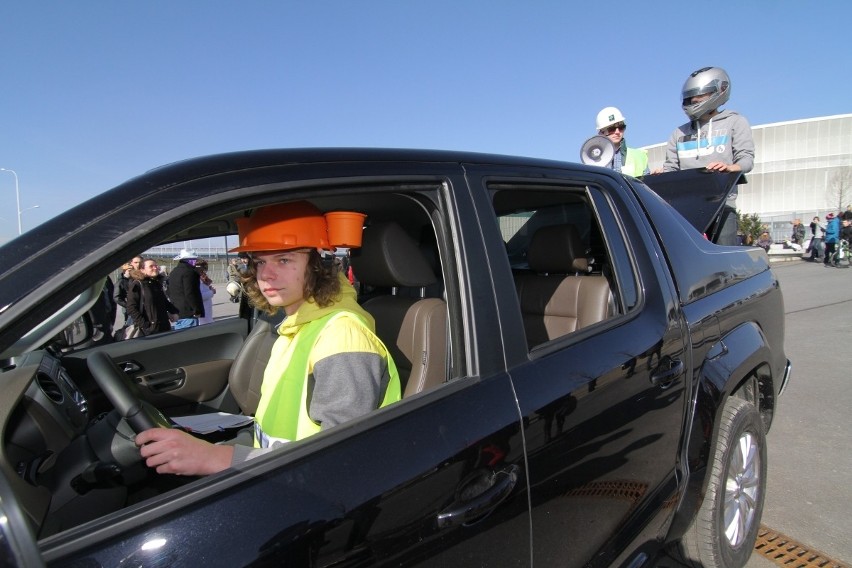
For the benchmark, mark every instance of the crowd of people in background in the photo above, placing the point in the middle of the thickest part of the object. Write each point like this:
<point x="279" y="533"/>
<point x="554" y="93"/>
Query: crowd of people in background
<point x="153" y="300"/>
<point x="830" y="242"/>
<point x="827" y="242"/>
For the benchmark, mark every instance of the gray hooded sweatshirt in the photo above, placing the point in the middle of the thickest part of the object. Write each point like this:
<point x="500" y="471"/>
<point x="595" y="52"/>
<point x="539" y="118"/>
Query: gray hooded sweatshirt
<point x="724" y="138"/>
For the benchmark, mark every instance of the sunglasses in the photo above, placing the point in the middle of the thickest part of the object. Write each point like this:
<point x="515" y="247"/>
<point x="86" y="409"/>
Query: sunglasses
<point x="610" y="129"/>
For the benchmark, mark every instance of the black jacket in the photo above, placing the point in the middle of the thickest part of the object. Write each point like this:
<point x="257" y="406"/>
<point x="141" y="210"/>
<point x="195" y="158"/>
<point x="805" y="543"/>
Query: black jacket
<point x="185" y="291"/>
<point x="121" y="291"/>
<point x="147" y="304"/>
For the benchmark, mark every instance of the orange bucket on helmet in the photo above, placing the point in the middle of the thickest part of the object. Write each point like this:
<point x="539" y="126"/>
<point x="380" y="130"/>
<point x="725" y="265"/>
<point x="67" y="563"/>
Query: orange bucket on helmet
<point x="296" y="225"/>
<point x="345" y="228"/>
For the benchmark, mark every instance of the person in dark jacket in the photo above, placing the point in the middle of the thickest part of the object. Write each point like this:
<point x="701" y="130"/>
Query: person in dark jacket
<point x="845" y="239"/>
<point x="147" y="303"/>
<point x="103" y="314"/>
<point x="121" y="290"/>
<point x="764" y="241"/>
<point x="123" y="282"/>
<point x="185" y="291"/>
<point x="846" y="230"/>
<point x="816" y="247"/>
<point x="797" y="236"/>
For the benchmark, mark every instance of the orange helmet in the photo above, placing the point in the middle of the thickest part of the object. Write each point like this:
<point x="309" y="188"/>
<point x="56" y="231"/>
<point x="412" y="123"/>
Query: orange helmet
<point x="283" y="227"/>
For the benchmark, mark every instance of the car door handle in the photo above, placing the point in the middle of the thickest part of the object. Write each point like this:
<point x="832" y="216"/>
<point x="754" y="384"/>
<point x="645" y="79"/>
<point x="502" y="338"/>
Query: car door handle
<point x="666" y="373"/>
<point x="464" y="510"/>
<point x="163" y="381"/>
<point x="130" y="367"/>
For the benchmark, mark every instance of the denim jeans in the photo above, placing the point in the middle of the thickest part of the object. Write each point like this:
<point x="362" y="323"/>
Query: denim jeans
<point x="184" y="323"/>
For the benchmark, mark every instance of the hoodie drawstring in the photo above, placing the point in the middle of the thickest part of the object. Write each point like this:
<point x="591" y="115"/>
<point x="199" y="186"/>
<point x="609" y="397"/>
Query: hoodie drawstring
<point x="709" y="136"/>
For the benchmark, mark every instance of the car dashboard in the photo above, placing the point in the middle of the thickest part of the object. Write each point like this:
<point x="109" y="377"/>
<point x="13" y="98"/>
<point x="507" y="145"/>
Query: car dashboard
<point x="47" y="412"/>
<point x="45" y="417"/>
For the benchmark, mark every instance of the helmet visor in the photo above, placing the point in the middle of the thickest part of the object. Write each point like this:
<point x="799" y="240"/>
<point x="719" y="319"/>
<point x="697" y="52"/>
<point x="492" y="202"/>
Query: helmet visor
<point x="702" y="90"/>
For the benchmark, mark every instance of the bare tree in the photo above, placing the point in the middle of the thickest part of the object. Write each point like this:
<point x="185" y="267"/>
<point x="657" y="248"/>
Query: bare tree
<point x="839" y="189"/>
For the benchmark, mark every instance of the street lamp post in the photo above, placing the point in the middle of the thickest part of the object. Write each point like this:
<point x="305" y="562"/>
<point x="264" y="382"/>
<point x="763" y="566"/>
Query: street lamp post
<point x="17" y="196"/>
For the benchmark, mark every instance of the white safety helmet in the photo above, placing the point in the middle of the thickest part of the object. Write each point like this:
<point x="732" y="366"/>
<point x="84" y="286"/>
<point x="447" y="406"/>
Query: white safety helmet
<point x="712" y="80"/>
<point x="608" y="117"/>
<point x="234" y="288"/>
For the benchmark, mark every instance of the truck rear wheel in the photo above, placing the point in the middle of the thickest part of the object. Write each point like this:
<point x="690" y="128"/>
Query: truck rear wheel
<point x="723" y="532"/>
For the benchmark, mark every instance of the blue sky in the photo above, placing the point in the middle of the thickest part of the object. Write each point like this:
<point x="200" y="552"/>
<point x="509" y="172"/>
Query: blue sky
<point x="96" y="92"/>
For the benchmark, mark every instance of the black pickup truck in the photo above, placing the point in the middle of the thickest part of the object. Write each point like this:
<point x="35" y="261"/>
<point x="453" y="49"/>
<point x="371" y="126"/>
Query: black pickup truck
<point x="588" y="379"/>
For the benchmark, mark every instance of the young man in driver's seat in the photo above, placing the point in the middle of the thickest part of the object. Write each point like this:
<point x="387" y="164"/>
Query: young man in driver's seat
<point x="327" y="365"/>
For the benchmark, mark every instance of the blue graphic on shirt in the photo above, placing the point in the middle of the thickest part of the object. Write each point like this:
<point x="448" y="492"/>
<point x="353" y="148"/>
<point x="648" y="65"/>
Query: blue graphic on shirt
<point x="694" y="147"/>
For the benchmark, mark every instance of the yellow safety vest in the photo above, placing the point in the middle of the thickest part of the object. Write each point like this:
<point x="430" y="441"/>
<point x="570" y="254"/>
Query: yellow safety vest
<point x="282" y="413"/>
<point x="635" y="163"/>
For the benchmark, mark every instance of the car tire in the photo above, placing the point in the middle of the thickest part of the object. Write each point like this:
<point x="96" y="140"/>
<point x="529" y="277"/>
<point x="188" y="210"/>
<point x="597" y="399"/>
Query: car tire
<point x="724" y="530"/>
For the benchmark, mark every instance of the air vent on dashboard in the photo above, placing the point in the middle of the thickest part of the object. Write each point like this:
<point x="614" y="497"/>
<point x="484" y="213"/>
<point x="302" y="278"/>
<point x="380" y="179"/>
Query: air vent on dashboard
<point x="49" y="387"/>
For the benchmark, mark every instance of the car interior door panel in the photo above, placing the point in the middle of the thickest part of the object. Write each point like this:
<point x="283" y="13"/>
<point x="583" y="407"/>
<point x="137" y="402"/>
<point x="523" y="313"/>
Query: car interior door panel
<point x="181" y="370"/>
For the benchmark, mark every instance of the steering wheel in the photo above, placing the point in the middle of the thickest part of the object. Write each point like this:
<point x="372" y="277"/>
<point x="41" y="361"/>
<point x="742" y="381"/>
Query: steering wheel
<point x="123" y="394"/>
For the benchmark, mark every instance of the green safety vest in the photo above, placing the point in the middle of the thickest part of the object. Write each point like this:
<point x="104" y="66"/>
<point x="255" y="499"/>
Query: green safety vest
<point x="283" y="416"/>
<point x="635" y="163"/>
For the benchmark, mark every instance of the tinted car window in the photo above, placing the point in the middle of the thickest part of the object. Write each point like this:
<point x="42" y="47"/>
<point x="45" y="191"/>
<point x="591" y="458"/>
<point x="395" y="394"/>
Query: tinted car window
<point x="568" y="272"/>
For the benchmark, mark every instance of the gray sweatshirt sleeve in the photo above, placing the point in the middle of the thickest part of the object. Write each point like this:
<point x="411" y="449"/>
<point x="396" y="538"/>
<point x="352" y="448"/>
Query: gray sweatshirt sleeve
<point x="742" y="142"/>
<point x="342" y="387"/>
<point x="244" y="449"/>
<point x="245" y="453"/>
<point x="345" y="386"/>
<point x="672" y="162"/>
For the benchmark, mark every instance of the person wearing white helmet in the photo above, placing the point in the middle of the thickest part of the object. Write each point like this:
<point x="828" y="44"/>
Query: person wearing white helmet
<point x="631" y="161"/>
<point x="185" y="291"/>
<point x="714" y="139"/>
<point x="235" y="270"/>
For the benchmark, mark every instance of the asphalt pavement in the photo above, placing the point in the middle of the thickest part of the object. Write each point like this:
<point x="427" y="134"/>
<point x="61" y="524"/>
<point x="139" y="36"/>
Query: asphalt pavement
<point x="809" y="493"/>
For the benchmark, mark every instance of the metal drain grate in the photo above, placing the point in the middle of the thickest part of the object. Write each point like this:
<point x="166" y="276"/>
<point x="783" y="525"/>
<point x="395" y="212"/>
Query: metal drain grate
<point x="626" y="490"/>
<point x="784" y="551"/>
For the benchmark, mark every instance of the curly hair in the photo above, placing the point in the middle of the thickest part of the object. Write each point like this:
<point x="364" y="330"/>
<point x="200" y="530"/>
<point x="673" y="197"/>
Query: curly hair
<point x="321" y="284"/>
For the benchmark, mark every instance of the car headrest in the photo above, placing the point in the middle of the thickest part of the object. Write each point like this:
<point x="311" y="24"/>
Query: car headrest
<point x="391" y="257"/>
<point x="557" y="249"/>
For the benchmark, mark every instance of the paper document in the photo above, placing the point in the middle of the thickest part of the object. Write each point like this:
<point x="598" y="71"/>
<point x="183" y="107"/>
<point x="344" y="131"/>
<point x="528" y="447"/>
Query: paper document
<point x="212" y="422"/>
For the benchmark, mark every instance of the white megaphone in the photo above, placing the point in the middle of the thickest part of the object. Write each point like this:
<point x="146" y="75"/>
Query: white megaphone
<point x="597" y="151"/>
